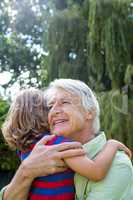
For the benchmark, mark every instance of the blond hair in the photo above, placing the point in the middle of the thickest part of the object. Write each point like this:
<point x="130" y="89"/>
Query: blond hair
<point x="26" y="119"/>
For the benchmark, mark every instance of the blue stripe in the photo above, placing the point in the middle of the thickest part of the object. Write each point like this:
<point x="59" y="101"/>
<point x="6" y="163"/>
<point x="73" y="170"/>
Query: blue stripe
<point x="61" y="139"/>
<point x="52" y="191"/>
<point x="58" y="140"/>
<point x="24" y="155"/>
<point x="57" y="177"/>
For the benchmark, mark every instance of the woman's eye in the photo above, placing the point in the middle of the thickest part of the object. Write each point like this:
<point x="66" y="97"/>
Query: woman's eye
<point x="49" y="107"/>
<point x="66" y="102"/>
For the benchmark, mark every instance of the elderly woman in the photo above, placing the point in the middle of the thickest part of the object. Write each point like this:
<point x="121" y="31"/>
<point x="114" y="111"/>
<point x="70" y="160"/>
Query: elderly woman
<point x="73" y="113"/>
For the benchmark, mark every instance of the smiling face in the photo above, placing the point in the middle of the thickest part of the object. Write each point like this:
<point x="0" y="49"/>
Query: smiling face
<point x="66" y="114"/>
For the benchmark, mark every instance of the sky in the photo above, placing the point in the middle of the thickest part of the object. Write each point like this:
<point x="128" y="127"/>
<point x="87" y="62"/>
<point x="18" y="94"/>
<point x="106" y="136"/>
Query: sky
<point x="5" y="77"/>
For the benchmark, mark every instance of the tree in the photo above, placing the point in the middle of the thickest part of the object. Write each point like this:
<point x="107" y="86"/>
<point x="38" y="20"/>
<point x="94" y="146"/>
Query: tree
<point x="67" y="51"/>
<point x="8" y="159"/>
<point x="93" y="42"/>
<point x="109" y="47"/>
<point x="21" y="29"/>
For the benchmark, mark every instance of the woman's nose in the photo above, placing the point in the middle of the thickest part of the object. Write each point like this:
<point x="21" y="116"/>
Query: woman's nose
<point x="55" y="111"/>
<point x="56" y="108"/>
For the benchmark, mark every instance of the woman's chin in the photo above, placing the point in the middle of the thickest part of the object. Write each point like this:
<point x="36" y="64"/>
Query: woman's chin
<point x="60" y="132"/>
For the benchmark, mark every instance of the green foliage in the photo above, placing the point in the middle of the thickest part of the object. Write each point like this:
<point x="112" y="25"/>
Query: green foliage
<point x="108" y="44"/>
<point x="67" y="51"/>
<point x="8" y="159"/>
<point x="84" y="39"/>
<point x="4" y="106"/>
<point x="90" y="41"/>
<point x="117" y="115"/>
<point x="129" y="75"/>
<point x="21" y="40"/>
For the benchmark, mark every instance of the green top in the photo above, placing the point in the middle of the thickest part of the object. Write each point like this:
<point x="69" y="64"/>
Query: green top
<point x="2" y="193"/>
<point x="118" y="183"/>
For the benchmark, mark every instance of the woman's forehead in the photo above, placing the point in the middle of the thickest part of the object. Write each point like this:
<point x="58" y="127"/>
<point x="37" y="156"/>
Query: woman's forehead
<point x="61" y="94"/>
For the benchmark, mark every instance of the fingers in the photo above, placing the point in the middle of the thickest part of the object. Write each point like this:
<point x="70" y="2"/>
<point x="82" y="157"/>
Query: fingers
<point x="130" y="154"/>
<point x="63" y="150"/>
<point x="56" y="165"/>
<point x="45" y="139"/>
<point x="60" y="163"/>
<point x="71" y="153"/>
<point x="121" y="146"/>
<point x="57" y="170"/>
<point x="127" y="151"/>
<point x="67" y="145"/>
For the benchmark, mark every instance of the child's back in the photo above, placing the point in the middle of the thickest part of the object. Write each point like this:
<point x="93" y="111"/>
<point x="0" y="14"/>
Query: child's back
<point x="59" y="186"/>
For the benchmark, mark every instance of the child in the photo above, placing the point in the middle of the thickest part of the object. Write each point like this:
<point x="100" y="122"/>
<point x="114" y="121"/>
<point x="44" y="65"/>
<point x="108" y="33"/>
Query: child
<point x="26" y="123"/>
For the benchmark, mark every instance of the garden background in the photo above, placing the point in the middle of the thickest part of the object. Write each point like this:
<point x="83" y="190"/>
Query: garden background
<point x="90" y="40"/>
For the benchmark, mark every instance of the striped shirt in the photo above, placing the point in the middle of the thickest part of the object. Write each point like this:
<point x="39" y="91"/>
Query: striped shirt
<point x="59" y="186"/>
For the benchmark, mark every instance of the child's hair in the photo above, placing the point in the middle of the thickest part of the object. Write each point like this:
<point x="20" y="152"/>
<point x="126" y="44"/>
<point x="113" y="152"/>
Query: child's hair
<point x="26" y="119"/>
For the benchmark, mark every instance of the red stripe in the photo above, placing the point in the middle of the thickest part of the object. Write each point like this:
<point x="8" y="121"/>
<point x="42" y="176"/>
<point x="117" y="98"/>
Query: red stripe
<point x="28" y="149"/>
<point x="44" y="184"/>
<point x="51" y="142"/>
<point x="69" y="196"/>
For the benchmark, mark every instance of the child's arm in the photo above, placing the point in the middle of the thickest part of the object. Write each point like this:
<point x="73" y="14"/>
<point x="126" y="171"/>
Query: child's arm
<point x="97" y="169"/>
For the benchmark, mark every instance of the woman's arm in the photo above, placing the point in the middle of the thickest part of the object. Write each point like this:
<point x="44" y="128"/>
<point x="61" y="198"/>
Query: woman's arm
<point x="97" y="169"/>
<point x="42" y="161"/>
<point x="19" y="186"/>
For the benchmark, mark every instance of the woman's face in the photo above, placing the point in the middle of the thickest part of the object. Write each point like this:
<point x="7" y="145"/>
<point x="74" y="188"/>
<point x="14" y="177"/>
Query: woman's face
<point x="66" y="114"/>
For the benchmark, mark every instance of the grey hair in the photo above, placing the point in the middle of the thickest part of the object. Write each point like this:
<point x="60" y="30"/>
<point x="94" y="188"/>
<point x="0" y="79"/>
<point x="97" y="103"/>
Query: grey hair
<point x="88" y="98"/>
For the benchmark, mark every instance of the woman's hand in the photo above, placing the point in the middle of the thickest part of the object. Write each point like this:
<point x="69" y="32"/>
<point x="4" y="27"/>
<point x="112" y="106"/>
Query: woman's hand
<point x="42" y="161"/>
<point x="120" y="146"/>
<point x="45" y="160"/>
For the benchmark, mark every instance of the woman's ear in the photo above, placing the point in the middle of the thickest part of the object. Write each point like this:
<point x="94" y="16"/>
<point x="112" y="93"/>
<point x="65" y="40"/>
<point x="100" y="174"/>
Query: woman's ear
<point x="90" y="115"/>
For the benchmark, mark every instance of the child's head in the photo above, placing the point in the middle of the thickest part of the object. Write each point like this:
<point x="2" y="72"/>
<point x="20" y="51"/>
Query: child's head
<point x="26" y="119"/>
